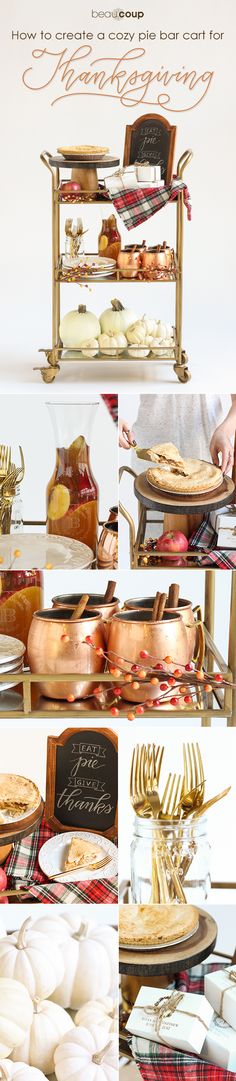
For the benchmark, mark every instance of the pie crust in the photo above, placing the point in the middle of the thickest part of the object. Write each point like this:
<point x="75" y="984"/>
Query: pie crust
<point x="18" y="795"/>
<point x="82" y="854"/>
<point x="199" y="477"/>
<point x="153" y="925"/>
<point x="83" y="150"/>
<point x="166" y="454"/>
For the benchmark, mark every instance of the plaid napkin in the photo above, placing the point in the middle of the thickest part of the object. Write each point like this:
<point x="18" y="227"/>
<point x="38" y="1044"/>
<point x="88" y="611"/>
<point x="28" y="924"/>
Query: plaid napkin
<point x="23" y="870"/>
<point x="135" y="205"/>
<point x="205" y="537"/>
<point x="159" y="1063"/>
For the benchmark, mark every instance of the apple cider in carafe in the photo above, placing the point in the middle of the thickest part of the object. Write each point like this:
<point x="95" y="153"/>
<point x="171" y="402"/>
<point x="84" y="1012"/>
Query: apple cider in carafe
<point x="72" y="495"/>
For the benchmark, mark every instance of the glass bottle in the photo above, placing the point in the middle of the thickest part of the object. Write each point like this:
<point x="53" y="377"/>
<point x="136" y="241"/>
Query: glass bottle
<point x="188" y="844"/>
<point x="72" y="492"/>
<point x="109" y="240"/>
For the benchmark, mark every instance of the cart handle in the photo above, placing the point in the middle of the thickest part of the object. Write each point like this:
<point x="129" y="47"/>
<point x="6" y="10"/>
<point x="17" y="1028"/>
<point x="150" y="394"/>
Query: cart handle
<point x="183" y="162"/>
<point x="122" y="509"/>
<point x="44" y="158"/>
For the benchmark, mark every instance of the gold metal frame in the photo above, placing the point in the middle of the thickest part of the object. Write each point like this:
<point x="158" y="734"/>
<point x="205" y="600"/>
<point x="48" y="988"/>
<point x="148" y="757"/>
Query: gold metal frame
<point x="176" y="357"/>
<point x="221" y="702"/>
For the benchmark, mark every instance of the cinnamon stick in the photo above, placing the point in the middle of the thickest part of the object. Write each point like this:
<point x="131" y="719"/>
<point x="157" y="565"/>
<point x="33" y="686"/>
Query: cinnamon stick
<point x="109" y="594"/>
<point x="155" y="607"/>
<point x="173" y="596"/>
<point x="78" y="611"/>
<point x="162" y="604"/>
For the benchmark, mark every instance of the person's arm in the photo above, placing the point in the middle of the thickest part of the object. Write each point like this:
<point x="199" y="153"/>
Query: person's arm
<point x="221" y="440"/>
<point x="126" y="436"/>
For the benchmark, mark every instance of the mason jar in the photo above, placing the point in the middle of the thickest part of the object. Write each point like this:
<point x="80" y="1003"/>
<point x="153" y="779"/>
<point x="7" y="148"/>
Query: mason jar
<point x="188" y="845"/>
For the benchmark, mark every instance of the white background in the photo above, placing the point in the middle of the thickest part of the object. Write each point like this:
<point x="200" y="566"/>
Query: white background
<point x="26" y="421"/>
<point x="30" y="123"/>
<point x="12" y="916"/>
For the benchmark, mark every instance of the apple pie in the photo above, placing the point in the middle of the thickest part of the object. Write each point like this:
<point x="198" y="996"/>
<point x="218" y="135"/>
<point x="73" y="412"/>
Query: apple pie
<point x="199" y="478"/>
<point x="168" y="457"/>
<point x="155" y="925"/>
<point x="18" y="795"/>
<point x="83" y="854"/>
<point x="84" y="151"/>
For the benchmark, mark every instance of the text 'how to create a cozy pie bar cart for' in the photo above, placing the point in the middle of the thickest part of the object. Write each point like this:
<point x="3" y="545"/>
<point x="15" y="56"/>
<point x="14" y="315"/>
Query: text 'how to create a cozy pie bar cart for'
<point x="144" y="185"/>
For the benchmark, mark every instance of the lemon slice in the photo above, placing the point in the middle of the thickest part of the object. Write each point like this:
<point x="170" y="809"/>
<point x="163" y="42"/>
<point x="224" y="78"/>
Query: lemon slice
<point x="59" y="502"/>
<point x="103" y="242"/>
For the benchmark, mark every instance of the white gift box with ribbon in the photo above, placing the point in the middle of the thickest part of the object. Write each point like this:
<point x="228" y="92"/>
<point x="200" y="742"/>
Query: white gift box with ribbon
<point x="224" y="523"/>
<point x="220" y="1045"/>
<point x="220" y="991"/>
<point x="178" y="1020"/>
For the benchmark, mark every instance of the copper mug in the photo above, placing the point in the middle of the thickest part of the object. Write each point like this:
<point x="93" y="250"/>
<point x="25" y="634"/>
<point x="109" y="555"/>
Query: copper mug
<point x="129" y="263"/>
<point x="96" y="603"/>
<point x="113" y="514"/>
<point x="107" y="553"/>
<point x="152" y="259"/>
<point x="194" y="627"/>
<point x="57" y="645"/>
<point x="130" y="632"/>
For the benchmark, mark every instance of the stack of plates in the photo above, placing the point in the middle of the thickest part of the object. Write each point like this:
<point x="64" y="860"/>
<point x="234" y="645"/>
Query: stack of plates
<point x="94" y="266"/>
<point x="11" y="658"/>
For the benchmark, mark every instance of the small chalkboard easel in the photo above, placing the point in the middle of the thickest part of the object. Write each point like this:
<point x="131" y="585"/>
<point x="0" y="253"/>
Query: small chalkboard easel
<point x="151" y="139"/>
<point x="82" y="781"/>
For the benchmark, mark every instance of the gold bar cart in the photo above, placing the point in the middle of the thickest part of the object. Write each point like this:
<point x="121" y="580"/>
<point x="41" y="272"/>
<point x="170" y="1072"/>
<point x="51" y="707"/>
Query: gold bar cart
<point x="174" y="355"/>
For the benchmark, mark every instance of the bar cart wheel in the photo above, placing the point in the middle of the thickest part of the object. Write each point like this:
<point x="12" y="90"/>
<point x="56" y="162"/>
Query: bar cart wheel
<point x="181" y="370"/>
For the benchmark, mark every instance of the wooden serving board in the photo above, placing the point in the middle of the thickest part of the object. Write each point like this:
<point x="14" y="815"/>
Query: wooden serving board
<point x="15" y="831"/>
<point x="175" y="504"/>
<point x="174" y="958"/>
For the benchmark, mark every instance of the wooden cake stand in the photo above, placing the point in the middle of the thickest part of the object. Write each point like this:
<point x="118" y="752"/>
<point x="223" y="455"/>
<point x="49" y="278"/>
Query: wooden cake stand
<point x="84" y="172"/>
<point x="11" y="833"/>
<point x="157" y="968"/>
<point x="181" y="512"/>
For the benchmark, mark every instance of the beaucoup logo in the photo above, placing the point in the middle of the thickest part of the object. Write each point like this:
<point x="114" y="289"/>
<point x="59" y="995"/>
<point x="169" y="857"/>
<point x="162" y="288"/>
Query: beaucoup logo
<point x="117" y="13"/>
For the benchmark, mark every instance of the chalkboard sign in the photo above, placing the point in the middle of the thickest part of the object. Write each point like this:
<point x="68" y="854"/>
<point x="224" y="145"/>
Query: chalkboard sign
<point x="151" y="139"/>
<point x="82" y="781"/>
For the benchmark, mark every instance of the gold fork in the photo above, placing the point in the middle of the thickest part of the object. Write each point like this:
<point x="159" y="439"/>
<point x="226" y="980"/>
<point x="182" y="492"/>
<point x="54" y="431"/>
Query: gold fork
<point x="137" y="796"/>
<point x="91" y="867"/>
<point x="194" y="784"/>
<point x="5" y="460"/>
<point x="170" y="799"/>
<point x="169" y="808"/>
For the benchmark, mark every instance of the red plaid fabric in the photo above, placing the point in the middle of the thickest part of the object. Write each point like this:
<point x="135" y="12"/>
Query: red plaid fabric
<point x="111" y="401"/>
<point x="23" y="872"/>
<point x="137" y="205"/>
<point x="159" y="1063"/>
<point x="205" y="538"/>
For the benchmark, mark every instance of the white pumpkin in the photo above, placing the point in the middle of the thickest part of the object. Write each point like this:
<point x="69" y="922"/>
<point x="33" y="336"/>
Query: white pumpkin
<point x="16" y="1012"/>
<point x="163" y="330"/>
<point x="87" y="1055"/>
<point x="34" y="961"/>
<point x="117" y="319"/>
<point x="9" y="1071"/>
<point x="48" y="1024"/>
<point x="98" y="1012"/>
<point x="90" y="348"/>
<point x="138" y="351"/>
<point x="138" y="334"/>
<point x="52" y="924"/>
<point x="90" y="965"/>
<point x="162" y="345"/>
<point x="111" y="343"/>
<point x="77" y="327"/>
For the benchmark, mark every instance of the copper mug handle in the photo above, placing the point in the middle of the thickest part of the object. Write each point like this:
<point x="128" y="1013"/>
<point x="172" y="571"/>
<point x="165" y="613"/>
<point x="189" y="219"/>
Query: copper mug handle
<point x="199" y="652"/>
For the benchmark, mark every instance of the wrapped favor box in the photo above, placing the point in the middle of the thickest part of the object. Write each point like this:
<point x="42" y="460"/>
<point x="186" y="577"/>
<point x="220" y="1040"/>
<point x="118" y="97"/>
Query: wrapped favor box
<point x="224" y="523"/>
<point x="220" y="991"/>
<point x="186" y="1026"/>
<point x="220" y="1045"/>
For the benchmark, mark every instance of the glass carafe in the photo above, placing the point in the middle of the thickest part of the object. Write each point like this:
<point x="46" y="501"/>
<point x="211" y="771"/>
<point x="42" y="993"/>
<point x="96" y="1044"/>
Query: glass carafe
<point x="72" y="492"/>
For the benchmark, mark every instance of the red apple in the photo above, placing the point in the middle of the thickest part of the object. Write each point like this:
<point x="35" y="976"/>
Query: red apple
<point x="3" y="900"/>
<point x="3" y="879"/>
<point x="69" y="187"/>
<point x="173" y="541"/>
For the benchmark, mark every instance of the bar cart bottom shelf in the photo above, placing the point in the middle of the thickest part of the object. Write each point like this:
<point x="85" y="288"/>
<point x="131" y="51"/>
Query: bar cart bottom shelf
<point x="57" y="354"/>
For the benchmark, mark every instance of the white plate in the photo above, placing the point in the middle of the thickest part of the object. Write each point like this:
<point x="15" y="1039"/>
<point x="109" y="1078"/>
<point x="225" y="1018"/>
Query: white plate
<point x="161" y="945"/>
<point x="53" y="854"/>
<point x="37" y="549"/>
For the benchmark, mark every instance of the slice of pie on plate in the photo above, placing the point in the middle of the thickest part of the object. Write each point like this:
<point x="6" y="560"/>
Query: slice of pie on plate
<point x="18" y="795"/>
<point x="168" y="456"/>
<point x="198" y="478"/>
<point x="155" y="925"/>
<point x="83" y="854"/>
